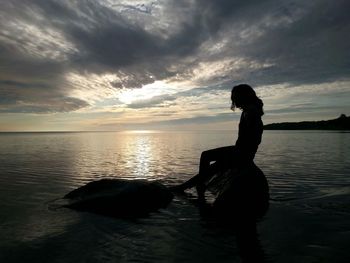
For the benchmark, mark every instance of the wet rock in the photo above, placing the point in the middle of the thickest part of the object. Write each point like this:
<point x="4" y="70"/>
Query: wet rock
<point x="119" y="197"/>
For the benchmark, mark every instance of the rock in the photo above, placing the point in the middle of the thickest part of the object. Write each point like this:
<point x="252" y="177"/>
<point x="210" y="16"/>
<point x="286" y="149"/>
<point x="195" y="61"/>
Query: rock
<point x="120" y="197"/>
<point x="244" y="194"/>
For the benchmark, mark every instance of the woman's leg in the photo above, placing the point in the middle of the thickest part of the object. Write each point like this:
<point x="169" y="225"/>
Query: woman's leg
<point x="206" y="169"/>
<point x="220" y="155"/>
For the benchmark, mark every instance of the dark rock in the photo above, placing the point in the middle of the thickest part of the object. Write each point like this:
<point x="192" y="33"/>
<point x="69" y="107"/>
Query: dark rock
<point x="119" y="197"/>
<point x="245" y="195"/>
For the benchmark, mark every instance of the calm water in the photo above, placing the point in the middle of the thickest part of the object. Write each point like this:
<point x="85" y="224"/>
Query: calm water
<point x="308" y="173"/>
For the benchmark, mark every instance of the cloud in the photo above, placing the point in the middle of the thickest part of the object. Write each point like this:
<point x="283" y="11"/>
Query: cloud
<point x="185" y="122"/>
<point x="58" y="56"/>
<point x="157" y="101"/>
<point x="17" y="97"/>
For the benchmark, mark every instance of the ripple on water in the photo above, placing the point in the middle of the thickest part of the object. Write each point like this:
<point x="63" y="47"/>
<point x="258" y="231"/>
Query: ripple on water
<point x="37" y="168"/>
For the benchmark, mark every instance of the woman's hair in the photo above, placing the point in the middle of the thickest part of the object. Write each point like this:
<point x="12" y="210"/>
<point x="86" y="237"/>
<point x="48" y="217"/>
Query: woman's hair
<point x="243" y="95"/>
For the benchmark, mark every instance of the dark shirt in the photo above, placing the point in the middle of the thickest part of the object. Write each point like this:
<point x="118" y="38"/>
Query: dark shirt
<point x="249" y="135"/>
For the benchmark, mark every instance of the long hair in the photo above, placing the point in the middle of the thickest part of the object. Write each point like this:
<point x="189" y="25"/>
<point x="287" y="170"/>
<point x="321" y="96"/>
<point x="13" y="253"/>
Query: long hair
<point x="243" y="95"/>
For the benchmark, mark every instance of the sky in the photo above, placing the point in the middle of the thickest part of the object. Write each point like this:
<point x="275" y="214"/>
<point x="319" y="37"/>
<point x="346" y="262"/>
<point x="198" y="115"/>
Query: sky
<point x="138" y="65"/>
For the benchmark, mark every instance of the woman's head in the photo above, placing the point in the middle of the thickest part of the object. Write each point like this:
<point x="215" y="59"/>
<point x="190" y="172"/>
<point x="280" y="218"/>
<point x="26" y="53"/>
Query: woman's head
<point x="243" y="96"/>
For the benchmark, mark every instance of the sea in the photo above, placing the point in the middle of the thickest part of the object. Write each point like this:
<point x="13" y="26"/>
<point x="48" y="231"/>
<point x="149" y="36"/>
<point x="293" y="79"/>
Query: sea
<point x="308" y="219"/>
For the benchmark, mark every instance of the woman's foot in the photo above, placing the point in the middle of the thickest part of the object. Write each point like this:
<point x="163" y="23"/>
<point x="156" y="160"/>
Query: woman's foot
<point x="177" y="188"/>
<point x="186" y="185"/>
<point x="200" y="191"/>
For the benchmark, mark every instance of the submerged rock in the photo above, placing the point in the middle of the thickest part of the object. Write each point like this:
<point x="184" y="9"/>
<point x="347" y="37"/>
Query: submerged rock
<point x="120" y="197"/>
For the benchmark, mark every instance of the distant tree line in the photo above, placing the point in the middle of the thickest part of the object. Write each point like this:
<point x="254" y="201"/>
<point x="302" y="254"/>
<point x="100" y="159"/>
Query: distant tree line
<point x="341" y="123"/>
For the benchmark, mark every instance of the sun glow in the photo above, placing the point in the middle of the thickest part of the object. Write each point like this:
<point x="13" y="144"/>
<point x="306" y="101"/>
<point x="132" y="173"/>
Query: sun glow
<point x="148" y="91"/>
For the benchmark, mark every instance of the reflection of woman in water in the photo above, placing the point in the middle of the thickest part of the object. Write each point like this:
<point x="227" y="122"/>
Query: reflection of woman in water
<point x="235" y="157"/>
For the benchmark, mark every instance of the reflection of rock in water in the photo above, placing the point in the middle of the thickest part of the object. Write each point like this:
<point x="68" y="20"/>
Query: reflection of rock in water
<point x="120" y="198"/>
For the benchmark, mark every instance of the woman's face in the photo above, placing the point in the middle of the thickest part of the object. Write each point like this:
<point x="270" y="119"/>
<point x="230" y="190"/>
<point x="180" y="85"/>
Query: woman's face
<point x="236" y="103"/>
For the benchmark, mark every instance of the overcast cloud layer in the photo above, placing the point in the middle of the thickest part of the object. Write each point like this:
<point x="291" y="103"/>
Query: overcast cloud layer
<point x="176" y="59"/>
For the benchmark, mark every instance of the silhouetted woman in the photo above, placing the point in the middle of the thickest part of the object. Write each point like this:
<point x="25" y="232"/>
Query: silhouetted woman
<point x="241" y="189"/>
<point x="239" y="156"/>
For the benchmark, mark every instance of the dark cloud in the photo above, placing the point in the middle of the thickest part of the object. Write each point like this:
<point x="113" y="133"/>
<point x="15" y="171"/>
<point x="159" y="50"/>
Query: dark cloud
<point x="22" y="97"/>
<point x="293" y="42"/>
<point x="51" y="105"/>
<point x="310" y="49"/>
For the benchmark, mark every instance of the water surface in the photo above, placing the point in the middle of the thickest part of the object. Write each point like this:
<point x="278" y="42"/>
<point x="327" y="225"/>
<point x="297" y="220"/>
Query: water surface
<point x="308" y="173"/>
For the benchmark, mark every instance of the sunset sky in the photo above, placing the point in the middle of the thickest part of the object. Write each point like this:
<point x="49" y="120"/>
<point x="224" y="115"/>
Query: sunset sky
<point x="117" y="65"/>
